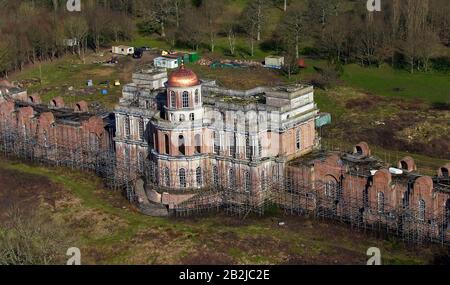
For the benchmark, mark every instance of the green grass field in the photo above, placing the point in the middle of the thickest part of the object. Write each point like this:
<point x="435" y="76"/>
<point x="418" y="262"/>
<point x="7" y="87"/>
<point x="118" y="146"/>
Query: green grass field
<point x="385" y="81"/>
<point x="109" y="231"/>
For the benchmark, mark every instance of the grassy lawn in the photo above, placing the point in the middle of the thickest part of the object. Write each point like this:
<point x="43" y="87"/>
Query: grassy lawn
<point x="109" y="231"/>
<point x="385" y="81"/>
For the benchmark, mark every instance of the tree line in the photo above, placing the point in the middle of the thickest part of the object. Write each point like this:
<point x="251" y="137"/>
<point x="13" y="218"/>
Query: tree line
<point x="406" y="33"/>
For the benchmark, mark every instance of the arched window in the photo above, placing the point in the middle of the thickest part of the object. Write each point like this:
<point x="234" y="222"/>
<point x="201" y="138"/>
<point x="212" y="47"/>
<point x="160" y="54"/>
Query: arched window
<point x="231" y="178"/>
<point x="275" y="173"/>
<point x="247" y="182"/>
<point x="329" y="189"/>
<point x="185" y="99"/>
<point x="380" y="200"/>
<point x="173" y="102"/>
<point x="198" y="144"/>
<point x="191" y="116"/>
<point x="421" y="210"/>
<point x="166" y="177"/>
<point x="216" y="143"/>
<point x="181" y="145"/>
<point x="199" y="176"/>
<point x="167" y="144"/>
<point x="197" y="97"/>
<point x="182" y="118"/>
<point x="215" y="176"/>
<point x="182" y="174"/>
<point x="298" y="139"/>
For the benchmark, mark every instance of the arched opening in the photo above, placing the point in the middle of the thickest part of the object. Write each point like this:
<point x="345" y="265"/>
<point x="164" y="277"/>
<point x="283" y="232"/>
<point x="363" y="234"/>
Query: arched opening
<point x="182" y="174"/>
<point x="404" y="165"/>
<point x="359" y="150"/>
<point x="166" y="144"/>
<point x="216" y="143"/>
<point x="54" y="104"/>
<point x="444" y="172"/>
<point x="181" y="145"/>
<point x="31" y="99"/>
<point x="198" y="144"/>
<point x="185" y="99"/>
<point x="182" y="118"/>
<point x="199" y="176"/>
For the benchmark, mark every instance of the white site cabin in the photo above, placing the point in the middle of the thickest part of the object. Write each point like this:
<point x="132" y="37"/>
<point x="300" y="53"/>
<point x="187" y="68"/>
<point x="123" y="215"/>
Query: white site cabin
<point x="123" y="50"/>
<point x="164" y="62"/>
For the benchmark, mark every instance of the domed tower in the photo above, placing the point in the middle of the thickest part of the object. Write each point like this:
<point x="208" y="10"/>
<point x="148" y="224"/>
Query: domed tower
<point x="184" y="96"/>
<point x="180" y="152"/>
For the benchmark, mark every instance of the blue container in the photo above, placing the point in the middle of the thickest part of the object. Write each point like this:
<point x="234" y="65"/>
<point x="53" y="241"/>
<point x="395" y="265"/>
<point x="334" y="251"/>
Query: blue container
<point x="104" y="92"/>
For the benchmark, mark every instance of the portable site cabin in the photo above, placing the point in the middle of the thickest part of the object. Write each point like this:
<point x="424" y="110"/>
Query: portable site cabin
<point x="164" y="62"/>
<point x="274" y="62"/>
<point x="123" y="50"/>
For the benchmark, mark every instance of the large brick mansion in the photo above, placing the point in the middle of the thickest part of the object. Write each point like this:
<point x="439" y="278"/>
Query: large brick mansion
<point x="201" y="135"/>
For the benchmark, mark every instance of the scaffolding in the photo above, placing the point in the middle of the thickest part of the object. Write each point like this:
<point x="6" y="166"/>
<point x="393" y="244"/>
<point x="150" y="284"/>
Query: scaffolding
<point x="290" y="192"/>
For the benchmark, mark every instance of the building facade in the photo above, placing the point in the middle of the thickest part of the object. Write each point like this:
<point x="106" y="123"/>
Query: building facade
<point x="198" y="135"/>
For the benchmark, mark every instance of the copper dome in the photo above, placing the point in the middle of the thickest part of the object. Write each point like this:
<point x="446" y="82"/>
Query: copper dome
<point x="183" y="77"/>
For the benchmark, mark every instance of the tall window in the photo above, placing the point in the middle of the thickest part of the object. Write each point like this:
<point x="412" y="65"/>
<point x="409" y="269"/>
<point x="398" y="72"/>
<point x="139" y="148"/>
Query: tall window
<point x="216" y="143"/>
<point x="167" y="144"/>
<point x="199" y="176"/>
<point x="263" y="181"/>
<point x="248" y="147"/>
<point x="127" y="157"/>
<point x="298" y="139"/>
<point x="247" y="181"/>
<point x="421" y="210"/>
<point x="192" y="117"/>
<point x="166" y="177"/>
<point x="329" y="189"/>
<point x="380" y="202"/>
<point x="231" y="178"/>
<point x="173" y="102"/>
<point x="181" y="145"/>
<point x="259" y="147"/>
<point x="216" y="176"/>
<point x="185" y="99"/>
<point x="182" y="174"/>
<point x="197" y="97"/>
<point x="232" y="146"/>
<point x="198" y="144"/>
<point x="141" y="129"/>
<point x="127" y="127"/>
<point x="140" y="159"/>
